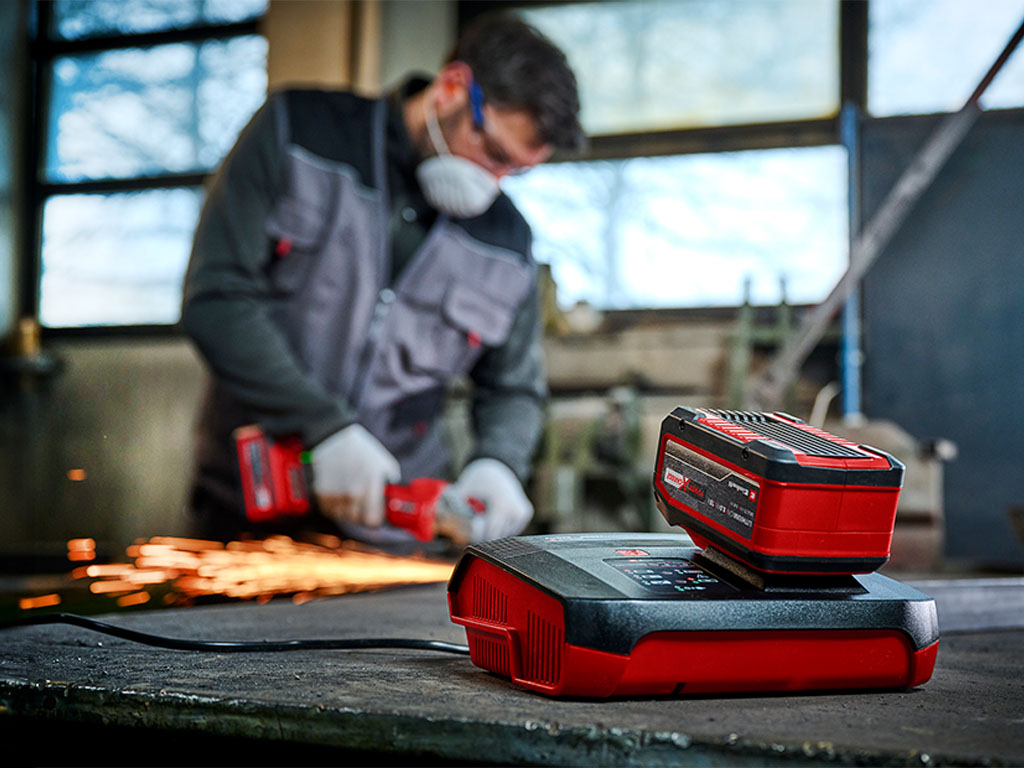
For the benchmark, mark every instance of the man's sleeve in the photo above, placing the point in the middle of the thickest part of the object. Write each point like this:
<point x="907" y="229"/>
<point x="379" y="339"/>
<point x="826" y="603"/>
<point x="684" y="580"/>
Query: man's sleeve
<point x="226" y="308"/>
<point x="509" y="393"/>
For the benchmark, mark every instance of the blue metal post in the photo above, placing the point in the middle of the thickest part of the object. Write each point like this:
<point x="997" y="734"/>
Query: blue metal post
<point x="851" y="355"/>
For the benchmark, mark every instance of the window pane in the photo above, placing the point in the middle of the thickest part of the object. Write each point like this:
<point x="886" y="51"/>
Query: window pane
<point x="116" y="259"/>
<point x="75" y="19"/>
<point x="662" y="64"/>
<point x="929" y="55"/>
<point x="135" y="112"/>
<point x="689" y="230"/>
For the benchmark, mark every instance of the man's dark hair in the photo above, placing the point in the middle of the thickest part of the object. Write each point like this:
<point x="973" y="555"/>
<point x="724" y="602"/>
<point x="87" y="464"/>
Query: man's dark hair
<point x="519" y="68"/>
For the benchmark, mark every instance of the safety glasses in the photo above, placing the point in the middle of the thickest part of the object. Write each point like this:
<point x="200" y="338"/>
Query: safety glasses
<point x="492" y="148"/>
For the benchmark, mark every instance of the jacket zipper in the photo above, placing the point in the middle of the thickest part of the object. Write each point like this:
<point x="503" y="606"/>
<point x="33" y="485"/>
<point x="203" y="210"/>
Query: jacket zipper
<point x="385" y="300"/>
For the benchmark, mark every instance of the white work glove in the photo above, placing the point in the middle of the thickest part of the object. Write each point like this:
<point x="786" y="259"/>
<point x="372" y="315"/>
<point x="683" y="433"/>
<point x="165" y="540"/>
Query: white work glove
<point x="508" y="509"/>
<point x="350" y="470"/>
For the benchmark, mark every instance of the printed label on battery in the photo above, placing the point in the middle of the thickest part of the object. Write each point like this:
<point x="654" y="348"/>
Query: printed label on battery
<point x="709" y="488"/>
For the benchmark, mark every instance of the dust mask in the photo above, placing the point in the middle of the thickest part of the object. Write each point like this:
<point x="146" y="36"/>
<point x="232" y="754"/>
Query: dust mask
<point x="453" y="184"/>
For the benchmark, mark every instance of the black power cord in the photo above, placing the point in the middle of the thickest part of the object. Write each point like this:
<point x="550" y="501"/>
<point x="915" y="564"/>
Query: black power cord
<point x="230" y="646"/>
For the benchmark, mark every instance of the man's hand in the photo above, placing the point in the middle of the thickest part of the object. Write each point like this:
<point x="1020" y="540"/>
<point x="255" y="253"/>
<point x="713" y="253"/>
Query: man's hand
<point x="350" y="470"/>
<point x="508" y="509"/>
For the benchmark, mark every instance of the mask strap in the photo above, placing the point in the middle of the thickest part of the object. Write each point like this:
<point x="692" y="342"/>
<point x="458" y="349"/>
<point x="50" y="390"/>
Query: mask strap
<point x="434" y="128"/>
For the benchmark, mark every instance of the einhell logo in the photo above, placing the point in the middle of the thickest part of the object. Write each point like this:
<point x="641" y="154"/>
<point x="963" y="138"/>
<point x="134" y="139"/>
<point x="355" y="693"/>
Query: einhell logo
<point x="674" y="479"/>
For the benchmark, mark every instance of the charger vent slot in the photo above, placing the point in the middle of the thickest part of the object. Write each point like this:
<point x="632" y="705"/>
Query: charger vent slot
<point x="489" y="602"/>
<point x="489" y="653"/>
<point x="543" y="654"/>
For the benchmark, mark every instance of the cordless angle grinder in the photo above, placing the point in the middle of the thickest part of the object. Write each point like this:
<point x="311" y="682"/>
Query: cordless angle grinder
<point x="773" y="590"/>
<point x="275" y="487"/>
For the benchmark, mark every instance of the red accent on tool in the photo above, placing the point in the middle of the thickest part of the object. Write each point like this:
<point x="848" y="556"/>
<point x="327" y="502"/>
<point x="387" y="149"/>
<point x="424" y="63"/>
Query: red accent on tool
<point x="273" y="478"/>
<point x="414" y="506"/>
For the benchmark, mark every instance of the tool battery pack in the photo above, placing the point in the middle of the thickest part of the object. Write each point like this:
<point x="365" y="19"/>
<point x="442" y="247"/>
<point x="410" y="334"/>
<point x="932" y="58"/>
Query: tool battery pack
<point x="775" y="493"/>
<point x="272" y="475"/>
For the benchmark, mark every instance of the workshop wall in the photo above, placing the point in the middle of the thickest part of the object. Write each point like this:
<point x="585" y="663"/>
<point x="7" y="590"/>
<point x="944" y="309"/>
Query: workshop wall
<point x="415" y="37"/>
<point x="944" y="320"/>
<point x="101" y="449"/>
<point x="313" y="43"/>
<point x="362" y="44"/>
<point x="12" y="74"/>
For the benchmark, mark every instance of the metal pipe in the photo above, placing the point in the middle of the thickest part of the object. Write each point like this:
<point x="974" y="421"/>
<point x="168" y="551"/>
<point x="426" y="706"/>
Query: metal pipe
<point x="851" y="355"/>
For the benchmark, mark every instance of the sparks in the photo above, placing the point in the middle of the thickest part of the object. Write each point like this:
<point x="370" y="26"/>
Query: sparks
<point x="185" y="569"/>
<point x="43" y="601"/>
<point x="81" y="549"/>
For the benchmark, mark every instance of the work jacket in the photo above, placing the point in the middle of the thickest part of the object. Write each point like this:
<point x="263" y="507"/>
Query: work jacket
<point x="292" y="300"/>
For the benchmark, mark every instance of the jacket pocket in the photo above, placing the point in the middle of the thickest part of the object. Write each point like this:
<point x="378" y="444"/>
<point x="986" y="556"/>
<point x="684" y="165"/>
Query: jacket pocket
<point x="447" y="340"/>
<point x="300" y="223"/>
<point x="296" y="231"/>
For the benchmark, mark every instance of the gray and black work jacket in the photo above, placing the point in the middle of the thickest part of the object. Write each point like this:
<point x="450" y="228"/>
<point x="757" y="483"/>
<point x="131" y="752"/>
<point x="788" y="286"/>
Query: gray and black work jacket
<point x="292" y="299"/>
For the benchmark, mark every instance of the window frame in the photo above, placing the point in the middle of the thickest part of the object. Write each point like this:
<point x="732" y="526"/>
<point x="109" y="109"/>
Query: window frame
<point x="43" y="51"/>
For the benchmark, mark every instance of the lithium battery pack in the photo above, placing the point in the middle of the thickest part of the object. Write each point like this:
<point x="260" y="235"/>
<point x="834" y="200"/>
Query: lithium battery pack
<point x="272" y="475"/>
<point x="776" y="493"/>
<point x="598" y="615"/>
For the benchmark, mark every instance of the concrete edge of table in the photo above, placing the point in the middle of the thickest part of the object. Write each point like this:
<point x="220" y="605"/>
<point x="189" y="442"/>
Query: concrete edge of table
<point x="398" y="733"/>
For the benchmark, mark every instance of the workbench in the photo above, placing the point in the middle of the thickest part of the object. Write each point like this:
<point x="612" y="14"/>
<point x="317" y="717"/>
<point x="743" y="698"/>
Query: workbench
<point x="72" y="696"/>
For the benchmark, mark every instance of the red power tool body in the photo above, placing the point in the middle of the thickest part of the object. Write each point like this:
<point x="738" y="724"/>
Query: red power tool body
<point x="275" y="487"/>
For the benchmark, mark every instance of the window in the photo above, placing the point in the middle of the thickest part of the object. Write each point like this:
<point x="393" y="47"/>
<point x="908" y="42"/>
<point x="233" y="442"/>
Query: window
<point x="928" y="55"/>
<point x="690" y="230"/>
<point x="695" y="229"/>
<point x="116" y="258"/>
<point x="144" y="97"/>
<point x="676" y="64"/>
<point x="146" y="111"/>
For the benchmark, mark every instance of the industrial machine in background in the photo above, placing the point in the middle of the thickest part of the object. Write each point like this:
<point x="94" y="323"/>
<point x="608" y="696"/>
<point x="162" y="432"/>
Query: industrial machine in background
<point x="774" y="592"/>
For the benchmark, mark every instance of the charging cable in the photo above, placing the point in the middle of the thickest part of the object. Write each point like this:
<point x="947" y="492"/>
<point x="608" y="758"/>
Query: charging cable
<point x="229" y="646"/>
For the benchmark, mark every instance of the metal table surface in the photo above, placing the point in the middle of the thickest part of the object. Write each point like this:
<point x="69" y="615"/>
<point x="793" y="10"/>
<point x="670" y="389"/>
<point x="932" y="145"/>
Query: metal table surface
<point x="417" y="706"/>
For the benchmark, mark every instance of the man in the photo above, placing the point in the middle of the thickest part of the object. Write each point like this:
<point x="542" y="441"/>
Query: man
<point x="355" y="255"/>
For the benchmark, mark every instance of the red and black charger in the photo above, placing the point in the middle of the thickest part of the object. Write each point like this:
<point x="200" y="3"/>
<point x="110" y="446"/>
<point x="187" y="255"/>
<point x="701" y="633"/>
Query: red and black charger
<point x="777" y="595"/>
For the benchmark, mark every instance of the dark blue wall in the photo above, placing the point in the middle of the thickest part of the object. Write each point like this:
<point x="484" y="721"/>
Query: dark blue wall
<point x="944" y="320"/>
